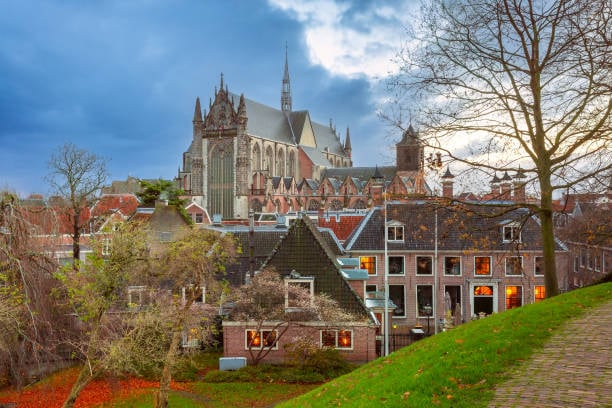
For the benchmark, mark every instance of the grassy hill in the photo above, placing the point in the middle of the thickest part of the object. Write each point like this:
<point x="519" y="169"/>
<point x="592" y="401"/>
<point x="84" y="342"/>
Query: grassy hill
<point x="458" y="368"/>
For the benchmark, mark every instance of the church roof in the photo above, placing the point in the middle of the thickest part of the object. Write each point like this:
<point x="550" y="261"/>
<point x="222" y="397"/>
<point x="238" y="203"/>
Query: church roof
<point x="361" y="173"/>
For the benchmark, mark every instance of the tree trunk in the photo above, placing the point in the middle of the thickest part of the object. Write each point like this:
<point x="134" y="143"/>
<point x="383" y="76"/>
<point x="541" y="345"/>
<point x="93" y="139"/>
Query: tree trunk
<point x="84" y="378"/>
<point x="161" y="400"/>
<point x="76" y="238"/>
<point x="548" y="238"/>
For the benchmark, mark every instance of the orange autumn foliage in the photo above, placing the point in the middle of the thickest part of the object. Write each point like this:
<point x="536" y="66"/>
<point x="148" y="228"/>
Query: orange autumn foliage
<point x="52" y="391"/>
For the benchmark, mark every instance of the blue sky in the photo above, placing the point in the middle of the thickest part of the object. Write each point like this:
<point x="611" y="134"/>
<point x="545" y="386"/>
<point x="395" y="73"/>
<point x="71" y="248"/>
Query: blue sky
<point x="120" y="77"/>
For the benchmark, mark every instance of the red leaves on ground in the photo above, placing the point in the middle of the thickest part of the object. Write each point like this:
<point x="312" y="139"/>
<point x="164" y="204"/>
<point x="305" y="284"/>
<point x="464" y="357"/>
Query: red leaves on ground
<point x="52" y="391"/>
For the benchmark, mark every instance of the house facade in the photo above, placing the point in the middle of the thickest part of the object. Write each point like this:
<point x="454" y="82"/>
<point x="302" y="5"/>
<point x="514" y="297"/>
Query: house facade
<point x="303" y="256"/>
<point x="452" y="263"/>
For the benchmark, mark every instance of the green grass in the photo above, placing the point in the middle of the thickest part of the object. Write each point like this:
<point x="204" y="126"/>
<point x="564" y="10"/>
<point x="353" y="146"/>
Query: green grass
<point x="458" y="368"/>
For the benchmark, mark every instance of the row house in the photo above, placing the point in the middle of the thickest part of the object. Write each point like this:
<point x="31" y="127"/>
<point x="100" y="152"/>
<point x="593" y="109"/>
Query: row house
<point x="451" y="260"/>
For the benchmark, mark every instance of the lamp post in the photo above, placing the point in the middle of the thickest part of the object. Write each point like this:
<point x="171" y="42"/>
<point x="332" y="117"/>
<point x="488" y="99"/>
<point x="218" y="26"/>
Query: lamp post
<point x="386" y="277"/>
<point x="435" y="274"/>
<point x="428" y="310"/>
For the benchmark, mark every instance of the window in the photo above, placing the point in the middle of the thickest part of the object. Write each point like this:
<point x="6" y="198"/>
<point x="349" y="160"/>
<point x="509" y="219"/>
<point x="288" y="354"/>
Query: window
<point x="452" y="265"/>
<point x="371" y="288"/>
<point x="339" y="339"/>
<point x="165" y="236"/>
<point x="369" y="263"/>
<point x="395" y="233"/>
<point x="191" y="337"/>
<point x="137" y="296"/>
<point x="299" y="292"/>
<point x="198" y="297"/>
<point x="583" y="257"/>
<point x="514" y="297"/>
<point x="397" y="296"/>
<point x="396" y="265"/>
<point x="482" y="265"/>
<point x="597" y="261"/>
<point x="538" y="269"/>
<point x="540" y="293"/>
<point x="576" y="263"/>
<point x="514" y="265"/>
<point x="424" y="300"/>
<point x="255" y="338"/>
<point x="423" y="265"/>
<point x="199" y="218"/>
<point x="512" y="233"/>
<point x="589" y="260"/>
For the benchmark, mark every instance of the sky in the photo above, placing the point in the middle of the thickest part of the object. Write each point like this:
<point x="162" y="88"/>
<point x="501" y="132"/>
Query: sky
<point x="119" y="78"/>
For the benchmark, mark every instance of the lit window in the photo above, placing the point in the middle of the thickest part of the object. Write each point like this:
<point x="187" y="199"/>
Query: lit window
<point x="397" y="296"/>
<point x="514" y="297"/>
<point x="538" y="269"/>
<point x="540" y="293"/>
<point x="514" y="265"/>
<point x="512" y="233"/>
<point x="255" y="338"/>
<point x="424" y="265"/>
<point x="482" y="265"/>
<point x="340" y="339"/>
<point x="424" y="300"/>
<point x="483" y="291"/>
<point x="369" y="263"/>
<point x="396" y="265"/>
<point x="452" y="265"/>
<point x="395" y="233"/>
<point x="191" y="337"/>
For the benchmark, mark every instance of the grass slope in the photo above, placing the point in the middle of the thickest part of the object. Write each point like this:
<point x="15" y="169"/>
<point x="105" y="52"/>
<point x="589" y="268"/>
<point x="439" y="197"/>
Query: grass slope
<point x="458" y="368"/>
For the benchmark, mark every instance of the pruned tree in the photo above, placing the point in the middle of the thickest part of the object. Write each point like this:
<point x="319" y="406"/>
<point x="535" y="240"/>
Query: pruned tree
<point x="263" y="304"/>
<point x="94" y="290"/>
<point x="77" y="176"/>
<point x="192" y="269"/>
<point x="516" y="86"/>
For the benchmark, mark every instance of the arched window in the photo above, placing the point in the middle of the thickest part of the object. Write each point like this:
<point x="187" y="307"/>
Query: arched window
<point x="269" y="164"/>
<point x="314" y="205"/>
<point x="360" y="205"/>
<point x="291" y="165"/>
<point x="335" y="205"/>
<point x="280" y="163"/>
<point x="256" y="157"/>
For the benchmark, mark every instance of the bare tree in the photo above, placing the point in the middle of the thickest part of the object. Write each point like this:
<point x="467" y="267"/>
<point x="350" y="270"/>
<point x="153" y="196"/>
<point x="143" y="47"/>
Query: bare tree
<point x="94" y="291"/>
<point x="77" y="176"/>
<point x="191" y="267"/>
<point x="513" y="85"/>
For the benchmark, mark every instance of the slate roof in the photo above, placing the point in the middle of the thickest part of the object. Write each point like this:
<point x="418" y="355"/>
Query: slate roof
<point x="361" y="173"/>
<point x="458" y="229"/>
<point x="305" y="250"/>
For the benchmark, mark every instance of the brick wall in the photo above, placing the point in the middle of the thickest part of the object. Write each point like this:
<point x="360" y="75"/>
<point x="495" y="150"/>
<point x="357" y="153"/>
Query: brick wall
<point x="363" y="348"/>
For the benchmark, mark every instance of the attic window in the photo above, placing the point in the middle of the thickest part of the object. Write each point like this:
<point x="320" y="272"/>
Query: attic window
<point x="298" y="291"/>
<point x="512" y="233"/>
<point x="395" y="232"/>
<point x="199" y="218"/>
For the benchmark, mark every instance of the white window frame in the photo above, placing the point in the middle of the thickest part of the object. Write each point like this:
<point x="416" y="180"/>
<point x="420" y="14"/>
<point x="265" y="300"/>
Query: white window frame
<point x="375" y="264"/>
<point x="416" y="296"/>
<point x="508" y="258"/>
<point x="184" y="294"/>
<point x="515" y="232"/>
<point x="522" y="296"/>
<point x="289" y="281"/>
<point x="460" y="265"/>
<point x="403" y="273"/>
<point x="416" y="265"/>
<point x="261" y="336"/>
<point x="403" y="315"/>
<point x="139" y="290"/>
<point x="476" y="275"/>
<point x="336" y="331"/>
<point x="391" y="230"/>
<point x="165" y="236"/>
<point x="535" y="264"/>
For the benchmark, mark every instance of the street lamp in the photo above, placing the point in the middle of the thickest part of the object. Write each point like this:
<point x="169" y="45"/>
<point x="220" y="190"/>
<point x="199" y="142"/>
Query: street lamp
<point x="427" y="309"/>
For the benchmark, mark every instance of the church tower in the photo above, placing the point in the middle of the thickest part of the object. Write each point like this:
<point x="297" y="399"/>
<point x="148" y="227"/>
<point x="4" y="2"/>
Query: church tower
<point x="286" y="87"/>
<point x="410" y="154"/>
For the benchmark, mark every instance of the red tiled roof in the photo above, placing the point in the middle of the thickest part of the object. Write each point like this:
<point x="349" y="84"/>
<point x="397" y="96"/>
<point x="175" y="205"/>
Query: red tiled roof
<point x="342" y="224"/>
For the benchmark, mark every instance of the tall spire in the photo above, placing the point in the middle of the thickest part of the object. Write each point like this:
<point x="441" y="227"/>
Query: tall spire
<point x="347" y="143"/>
<point x="286" y="88"/>
<point x="197" y="114"/>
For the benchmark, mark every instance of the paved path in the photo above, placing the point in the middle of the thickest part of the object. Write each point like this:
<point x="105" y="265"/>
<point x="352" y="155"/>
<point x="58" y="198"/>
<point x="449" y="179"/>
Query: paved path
<point x="573" y="370"/>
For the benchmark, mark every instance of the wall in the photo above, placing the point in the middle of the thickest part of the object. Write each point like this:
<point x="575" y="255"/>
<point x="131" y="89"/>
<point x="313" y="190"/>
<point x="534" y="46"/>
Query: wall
<point x="363" y="350"/>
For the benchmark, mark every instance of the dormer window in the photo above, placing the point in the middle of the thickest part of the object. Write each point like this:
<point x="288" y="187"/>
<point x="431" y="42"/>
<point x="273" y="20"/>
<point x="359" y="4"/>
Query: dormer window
<point x="395" y="232"/>
<point x="511" y="233"/>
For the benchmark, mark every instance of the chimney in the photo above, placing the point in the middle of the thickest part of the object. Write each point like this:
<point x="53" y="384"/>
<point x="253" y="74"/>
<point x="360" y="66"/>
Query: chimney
<point x="519" y="187"/>
<point x="506" y="187"/>
<point x="447" y="184"/>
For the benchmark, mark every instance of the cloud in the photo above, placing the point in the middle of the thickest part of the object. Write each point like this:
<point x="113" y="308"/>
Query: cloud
<point x="351" y="40"/>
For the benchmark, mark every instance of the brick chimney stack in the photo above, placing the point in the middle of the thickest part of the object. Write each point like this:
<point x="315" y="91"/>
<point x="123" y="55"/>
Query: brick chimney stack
<point x="447" y="184"/>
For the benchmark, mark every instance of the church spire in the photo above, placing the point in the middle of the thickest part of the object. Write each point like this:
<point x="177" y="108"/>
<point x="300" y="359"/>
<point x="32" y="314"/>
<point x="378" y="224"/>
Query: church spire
<point x="286" y="87"/>
<point x="197" y="114"/>
<point x="347" y="143"/>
